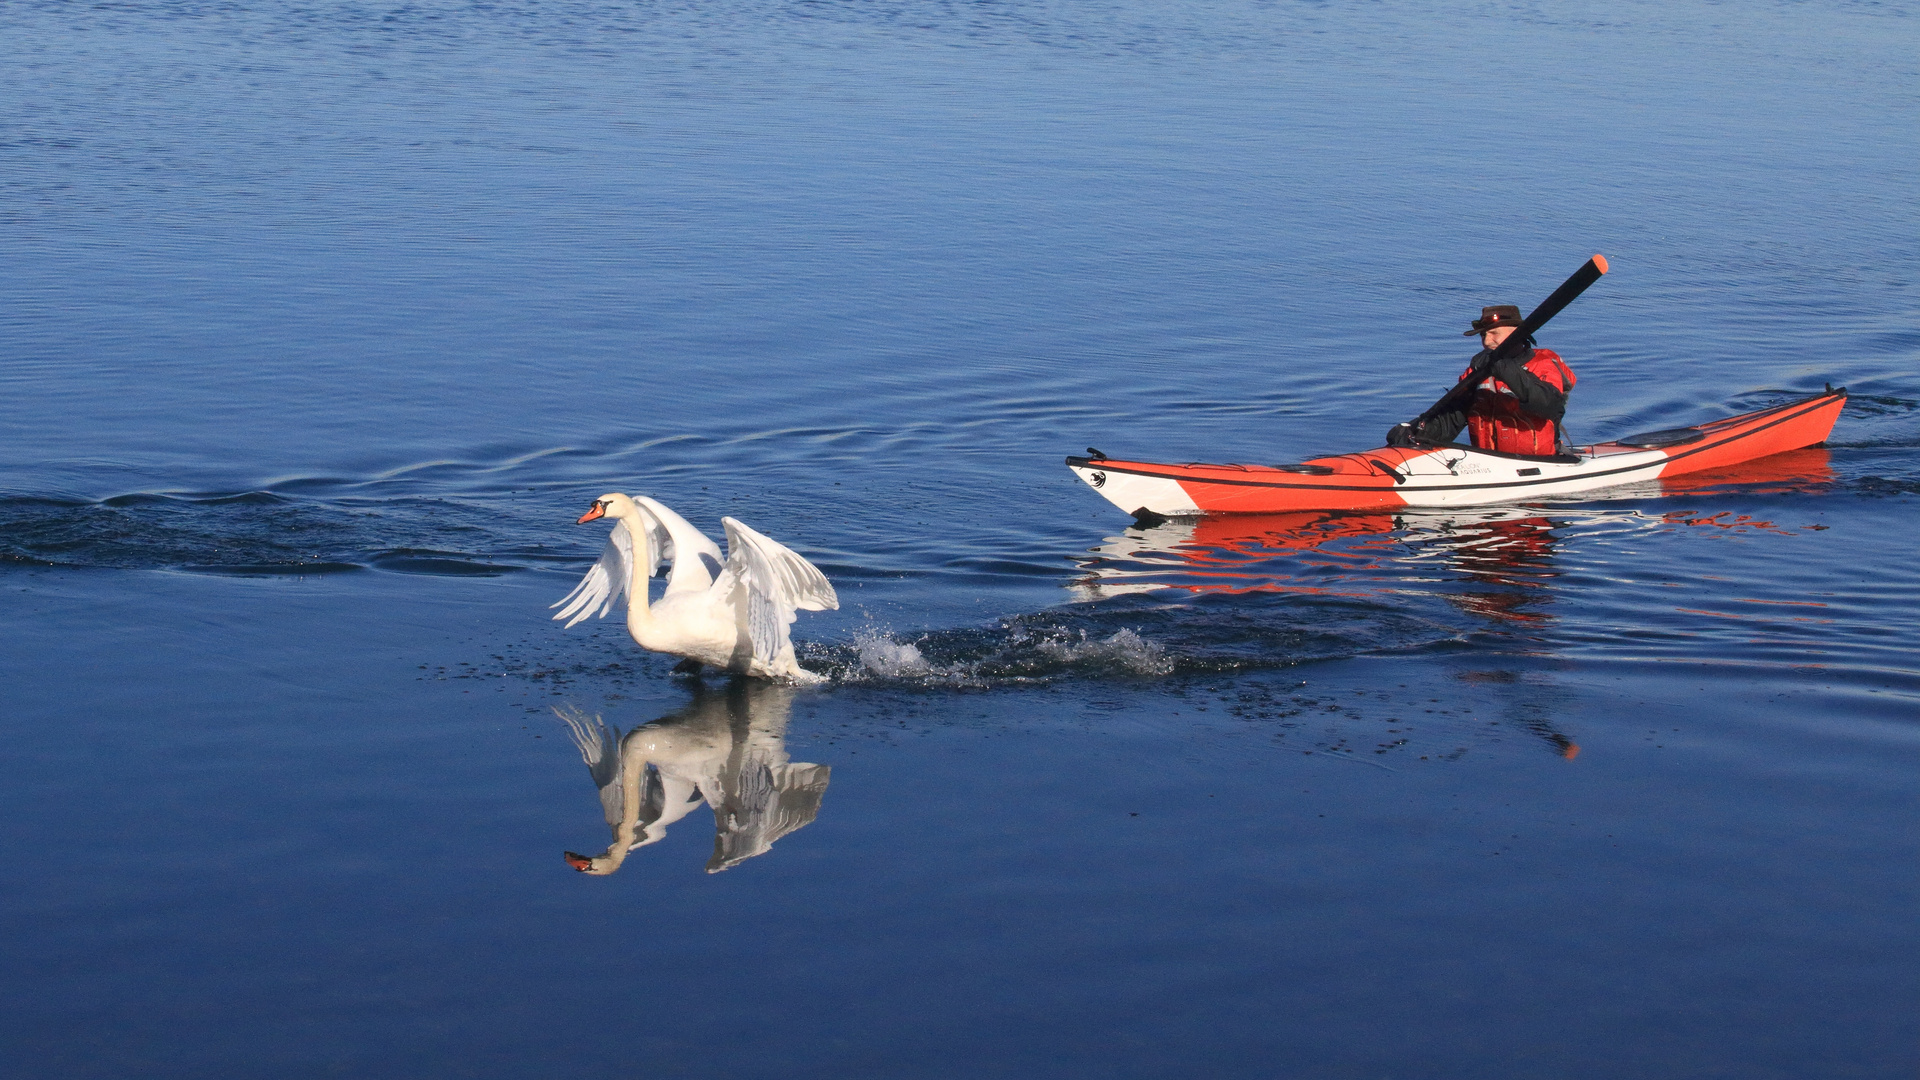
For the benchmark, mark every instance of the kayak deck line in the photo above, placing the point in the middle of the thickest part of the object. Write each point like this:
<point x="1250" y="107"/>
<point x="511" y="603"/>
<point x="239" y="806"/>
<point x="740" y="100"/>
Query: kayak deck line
<point x="1451" y="474"/>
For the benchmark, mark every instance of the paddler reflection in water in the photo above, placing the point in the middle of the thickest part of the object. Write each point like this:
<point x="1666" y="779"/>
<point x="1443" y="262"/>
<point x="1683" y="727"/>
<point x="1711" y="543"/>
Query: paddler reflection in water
<point x="1517" y="410"/>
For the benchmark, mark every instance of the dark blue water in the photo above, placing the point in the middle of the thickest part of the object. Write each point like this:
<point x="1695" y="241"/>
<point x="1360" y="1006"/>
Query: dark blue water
<point x="319" y="326"/>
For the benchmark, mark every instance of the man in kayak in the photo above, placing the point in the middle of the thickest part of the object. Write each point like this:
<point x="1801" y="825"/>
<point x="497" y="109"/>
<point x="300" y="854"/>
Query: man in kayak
<point x="1517" y="410"/>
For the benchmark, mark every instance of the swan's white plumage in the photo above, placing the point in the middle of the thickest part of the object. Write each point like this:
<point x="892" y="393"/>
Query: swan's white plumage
<point x="732" y="614"/>
<point x="693" y="557"/>
<point x="604" y="584"/>
<point x="777" y="583"/>
<point x="726" y="749"/>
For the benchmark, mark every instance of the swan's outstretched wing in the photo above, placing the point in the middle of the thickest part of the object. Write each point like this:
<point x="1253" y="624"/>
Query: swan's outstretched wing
<point x="695" y="557"/>
<point x="607" y="581"/>
<point x="599" y="747"/>
<point x="766" y="802"/>
<point x="598" y="744"/>
<point x="778" y="582"/>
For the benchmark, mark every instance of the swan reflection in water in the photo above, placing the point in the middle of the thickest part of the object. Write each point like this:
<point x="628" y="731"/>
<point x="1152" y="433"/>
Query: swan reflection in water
<point x="727" y="748"/>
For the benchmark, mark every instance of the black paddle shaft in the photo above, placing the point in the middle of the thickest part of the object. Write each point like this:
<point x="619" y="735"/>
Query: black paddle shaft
<point x="1515" y="341"/>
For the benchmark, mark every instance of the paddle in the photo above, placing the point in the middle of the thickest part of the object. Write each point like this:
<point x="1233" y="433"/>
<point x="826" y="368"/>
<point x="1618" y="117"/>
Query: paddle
<point x="1515" y="341"/>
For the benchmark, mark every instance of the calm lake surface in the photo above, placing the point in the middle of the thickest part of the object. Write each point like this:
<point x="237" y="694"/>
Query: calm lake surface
<point x="320" y="325"/>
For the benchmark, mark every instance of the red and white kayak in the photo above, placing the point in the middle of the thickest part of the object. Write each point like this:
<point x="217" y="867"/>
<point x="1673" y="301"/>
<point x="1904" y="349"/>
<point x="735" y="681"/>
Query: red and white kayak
<point x="1449" y="474"/>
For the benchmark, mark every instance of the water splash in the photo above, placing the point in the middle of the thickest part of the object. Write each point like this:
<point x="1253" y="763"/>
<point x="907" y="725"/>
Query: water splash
<point x="880" y="655"/>
<point x="1014" y="652"/>
<point x="1125" y="650"/>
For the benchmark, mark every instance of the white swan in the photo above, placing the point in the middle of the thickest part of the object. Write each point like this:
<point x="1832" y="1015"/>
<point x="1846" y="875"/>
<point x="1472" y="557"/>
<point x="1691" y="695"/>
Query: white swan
<point x="726" y="749"/>
<point x="730" y="614"/>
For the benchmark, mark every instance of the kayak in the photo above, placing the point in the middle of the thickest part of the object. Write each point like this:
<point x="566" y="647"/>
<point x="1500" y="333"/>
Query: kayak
<point x="1363" y="552"/>
<point x="1451" y="474"/>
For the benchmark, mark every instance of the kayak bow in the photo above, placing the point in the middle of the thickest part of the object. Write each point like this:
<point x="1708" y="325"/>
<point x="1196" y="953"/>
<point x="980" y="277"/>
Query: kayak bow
<point x="1450" y="474"/>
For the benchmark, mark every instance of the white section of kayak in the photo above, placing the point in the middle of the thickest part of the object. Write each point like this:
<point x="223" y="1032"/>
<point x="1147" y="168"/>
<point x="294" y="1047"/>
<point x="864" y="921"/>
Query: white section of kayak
<point x="1458" y="476"/>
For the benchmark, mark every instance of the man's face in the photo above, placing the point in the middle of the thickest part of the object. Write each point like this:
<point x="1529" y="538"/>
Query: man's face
<point x="1491" y="337"/>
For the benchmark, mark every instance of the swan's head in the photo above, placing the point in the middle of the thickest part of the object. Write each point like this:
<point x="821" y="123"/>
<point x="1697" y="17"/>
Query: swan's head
<point x="614" y="505"/>
<point x="598" y="864"/>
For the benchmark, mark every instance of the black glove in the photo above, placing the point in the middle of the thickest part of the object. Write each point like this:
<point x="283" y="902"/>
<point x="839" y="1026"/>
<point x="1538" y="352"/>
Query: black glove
<point x="1480" y="359"/>
<point x="1401" y="435"/>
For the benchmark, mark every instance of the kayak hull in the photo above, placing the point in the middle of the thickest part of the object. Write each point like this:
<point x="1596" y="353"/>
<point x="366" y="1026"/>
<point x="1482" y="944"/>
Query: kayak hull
<point x="1451" y="475"/>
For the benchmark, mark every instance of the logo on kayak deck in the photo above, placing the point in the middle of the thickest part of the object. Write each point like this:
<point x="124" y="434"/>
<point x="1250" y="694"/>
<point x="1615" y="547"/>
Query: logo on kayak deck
<point x="1098" y="479"/>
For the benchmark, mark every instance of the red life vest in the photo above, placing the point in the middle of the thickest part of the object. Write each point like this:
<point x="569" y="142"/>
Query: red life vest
<point x="1495" y="418"/>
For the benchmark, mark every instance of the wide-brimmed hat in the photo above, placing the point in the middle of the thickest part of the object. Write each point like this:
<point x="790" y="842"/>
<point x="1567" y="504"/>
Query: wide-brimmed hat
<point x="1492" y="318"/>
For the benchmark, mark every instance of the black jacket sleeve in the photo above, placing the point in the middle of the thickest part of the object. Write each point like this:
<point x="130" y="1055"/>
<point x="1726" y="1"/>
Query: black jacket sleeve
<point x="1534" y="395"/>
<point x="1442" y="427"/>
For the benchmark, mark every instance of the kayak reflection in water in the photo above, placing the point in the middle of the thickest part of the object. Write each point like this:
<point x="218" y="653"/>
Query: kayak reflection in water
<point x="1334" y="554"/>
<point x="1496" y="563"/>
<point x="1513" y="554"/>
<point x="727" y="748"/>
<point x="1501" y="563"/>
<point x="1361" y="554"/>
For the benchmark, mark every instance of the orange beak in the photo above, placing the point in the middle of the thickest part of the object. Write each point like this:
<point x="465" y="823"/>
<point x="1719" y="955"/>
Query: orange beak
<point x="578" y="862"/>
<point x="598" y="511"/>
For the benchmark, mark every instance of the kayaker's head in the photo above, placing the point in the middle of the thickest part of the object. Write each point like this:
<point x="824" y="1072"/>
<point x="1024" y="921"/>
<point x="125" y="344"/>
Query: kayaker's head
<point x="1495" y="324"/>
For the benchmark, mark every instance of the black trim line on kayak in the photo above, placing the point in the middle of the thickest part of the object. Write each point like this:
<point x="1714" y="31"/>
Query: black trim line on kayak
<point x="1812" y="404"/>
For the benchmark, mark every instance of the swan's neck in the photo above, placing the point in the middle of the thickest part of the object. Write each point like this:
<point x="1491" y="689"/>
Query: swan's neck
<point x="639" y="614"/>
<point x="628" y="830"/>
<point x="629" y="823"/>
